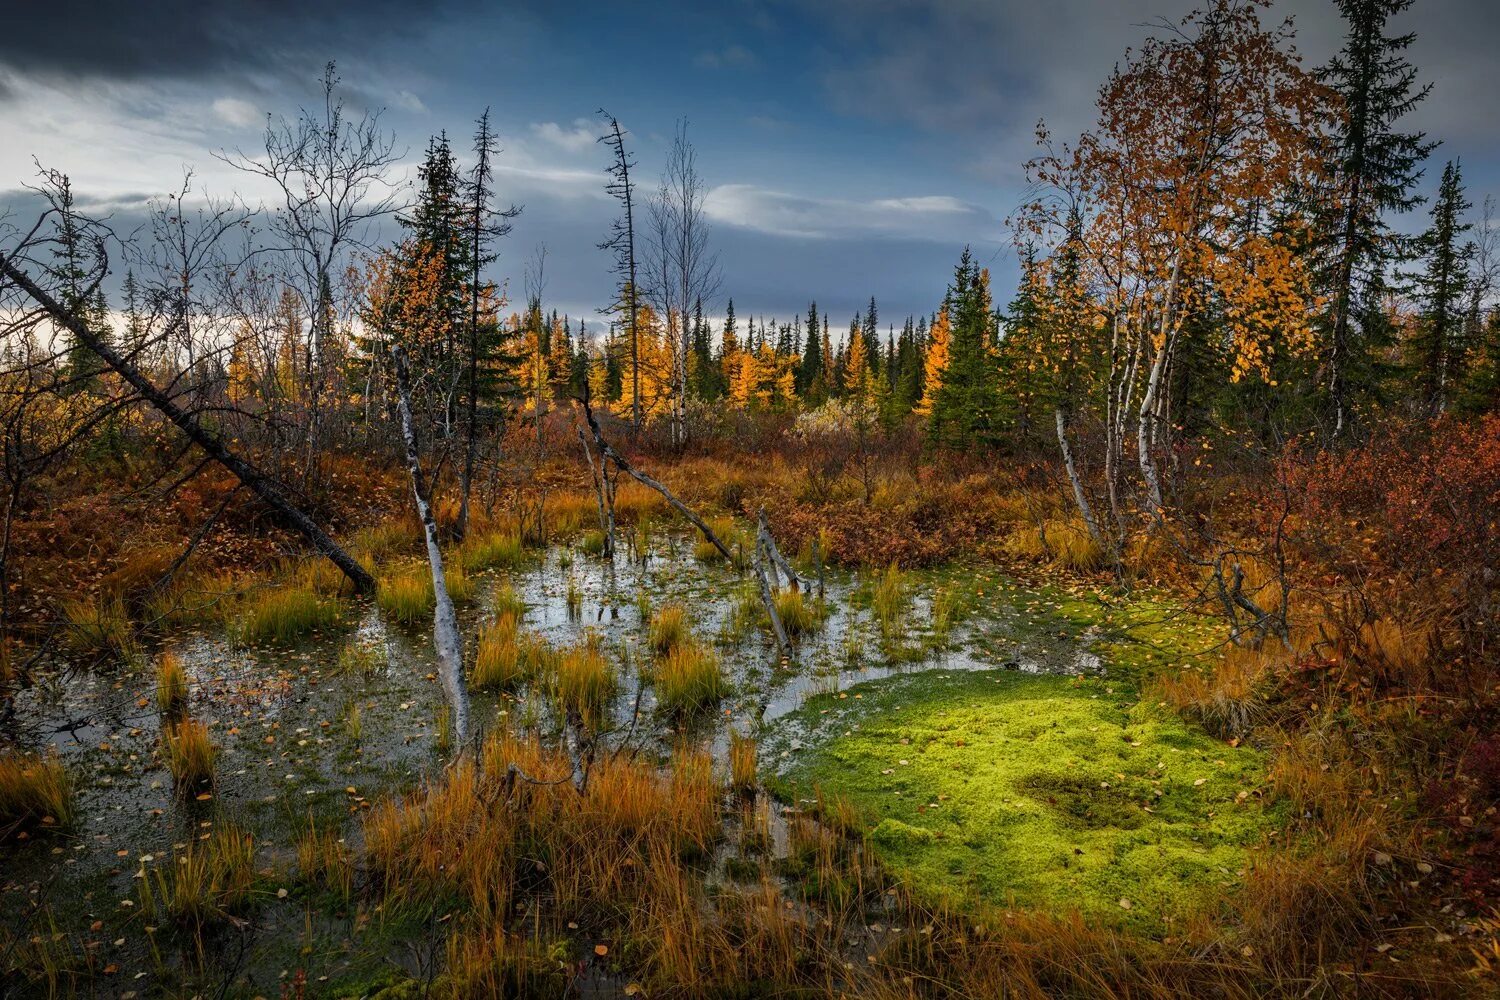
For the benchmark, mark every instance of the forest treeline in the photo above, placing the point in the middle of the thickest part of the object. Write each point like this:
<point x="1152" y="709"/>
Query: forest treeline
<point x="1236" y="257"/>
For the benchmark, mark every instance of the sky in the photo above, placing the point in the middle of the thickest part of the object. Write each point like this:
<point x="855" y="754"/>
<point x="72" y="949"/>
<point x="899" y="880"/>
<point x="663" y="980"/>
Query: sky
<point x="852" y="148"/>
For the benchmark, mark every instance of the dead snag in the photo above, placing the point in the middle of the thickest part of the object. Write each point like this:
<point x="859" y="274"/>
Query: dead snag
<point x="445" y="637"/>
<point x="778" y="561"/>
<point x="762" y="563"/>
<point x="608" y="453"/>
<point x="262" y="485"/>
<point x="604" y="493"/>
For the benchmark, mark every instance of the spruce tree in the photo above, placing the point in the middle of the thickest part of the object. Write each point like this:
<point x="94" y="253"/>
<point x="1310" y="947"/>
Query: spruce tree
<point x="1438" y="348"/>
<point x="1374" y="169"/>
<point x="966" y="408"/>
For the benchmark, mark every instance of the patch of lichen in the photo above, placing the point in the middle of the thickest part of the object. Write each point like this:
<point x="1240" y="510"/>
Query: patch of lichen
<point x="1049" y="792"/>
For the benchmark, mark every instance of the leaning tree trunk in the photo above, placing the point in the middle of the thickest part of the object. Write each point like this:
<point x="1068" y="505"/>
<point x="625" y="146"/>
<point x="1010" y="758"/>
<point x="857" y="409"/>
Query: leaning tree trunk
<point x="1079" y="496"/>
<point x="259" y="483"/>
<point x="445" y="637"/>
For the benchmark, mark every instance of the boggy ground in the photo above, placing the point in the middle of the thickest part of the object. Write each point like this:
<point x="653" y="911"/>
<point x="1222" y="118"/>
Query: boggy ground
<point x="1015" y="704"/>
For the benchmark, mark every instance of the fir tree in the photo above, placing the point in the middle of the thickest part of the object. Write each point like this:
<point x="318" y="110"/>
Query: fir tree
<point x="1374" y="169"/>
<point x="1438" y="346"/>
<point x="965" y="410"/>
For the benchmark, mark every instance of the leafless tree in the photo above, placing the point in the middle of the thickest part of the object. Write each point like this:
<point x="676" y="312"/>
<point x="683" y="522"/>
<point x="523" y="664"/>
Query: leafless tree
<point x="183" y="399"/>
<point x="331" y="172"/>
<point x="682" y="270"/>
<point x="621" y="243"/>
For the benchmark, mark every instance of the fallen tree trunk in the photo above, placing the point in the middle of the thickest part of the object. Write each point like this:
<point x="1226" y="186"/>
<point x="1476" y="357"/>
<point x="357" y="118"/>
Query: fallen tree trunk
<point x="762" y="561"/>
<point x="259" y="483"/>
<point x="604" y="493"/>
<point x="778" y="561"/>
<point x="621" y="464"/>
<point x="445" y="637"/>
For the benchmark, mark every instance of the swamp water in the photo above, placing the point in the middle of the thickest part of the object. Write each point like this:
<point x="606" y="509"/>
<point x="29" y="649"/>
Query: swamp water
<point x="971" y="728"/>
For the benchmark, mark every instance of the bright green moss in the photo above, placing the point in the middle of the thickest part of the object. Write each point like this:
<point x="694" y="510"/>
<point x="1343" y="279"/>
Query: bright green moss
<point x="1039" y="791"/>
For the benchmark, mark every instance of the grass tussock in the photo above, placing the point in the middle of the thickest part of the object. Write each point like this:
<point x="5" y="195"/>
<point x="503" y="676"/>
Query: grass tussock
<point x="734" y="538"/>
<point x="394" y="537"/>
<point x="742" y="761"/>
<point x="507" y="602"/>
<point x="99" y="630"/>
<point x="583" y="681"/>
<point x="567" y="513"/>
<point x="668" y="628"/>
<point x="209" y="881"/>
<point x="799" y="613"/>
<point x="171" y="686"/>
<point x="283" y="616"/>
<point x="688" y="678"/>
<point x="1228" y="696"/>
<point x="407" y="597"/>
<point x="506" y="656"/>
<point x="190" y="756"/>
<point x="591" y="543"/>
<point x="35" y="794"/>
<point x="889" y="598"/>
<point x="1062" y="541"/>
<point x="502" y="549"/>
<point x="458" y="582"/>
<point x="635" y="503"/>
<point x="362" y="657"/>
<point x="324" y="860"/>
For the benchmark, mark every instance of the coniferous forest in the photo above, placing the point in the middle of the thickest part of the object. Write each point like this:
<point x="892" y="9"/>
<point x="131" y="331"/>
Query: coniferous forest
<point x="1120" y="622"/>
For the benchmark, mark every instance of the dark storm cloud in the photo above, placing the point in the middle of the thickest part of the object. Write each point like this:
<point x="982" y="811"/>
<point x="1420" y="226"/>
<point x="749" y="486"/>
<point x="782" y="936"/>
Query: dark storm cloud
<point x="165" y="39"/>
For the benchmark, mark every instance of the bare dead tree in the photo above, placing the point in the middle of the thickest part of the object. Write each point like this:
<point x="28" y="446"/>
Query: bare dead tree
<point x="331" y="174"/>
<point x="608" y="454"/>
<point x="681" y="269"/>
<point x="621" y="243"/>
<point x="445" y="636"/>
<point x="170" y="399"/>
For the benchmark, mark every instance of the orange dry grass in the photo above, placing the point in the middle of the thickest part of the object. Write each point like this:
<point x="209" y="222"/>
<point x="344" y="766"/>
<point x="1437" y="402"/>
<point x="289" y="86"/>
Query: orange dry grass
<point x="34" y="792"/>
<point x="190" y="755"/>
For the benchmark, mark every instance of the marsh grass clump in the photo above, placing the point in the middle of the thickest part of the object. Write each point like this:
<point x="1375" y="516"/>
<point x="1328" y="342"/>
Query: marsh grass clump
<point x="799" y="614"/>
<point x="320" y="576"/>
<point x="1064" y="541"/>
<point x="99" y="630"/>
<point x="507" y="656"/>
<point x="688" y="678"/>
<point x="407" y="598"/>
<point x="362" y="657"/>
<point x="583" y="681"/>
<point x="889" y="597"/>
<point x="209" y="881"/>
<point x="494" y="550"/>
<point x="190" y="755"/>
<point x="668" y="627"/>
<point x="171" y="686"/>
<point x="35" y="794"/>
<point x="283" y="615"/>
<point x="574" y="597"/>
<point x="324" y="860"/>
<point x="507" y="602"/>
<point x="736" y="540"/>
<point x="946" y="609"/>
<point x="743" y="751"/>
<point x="395" y="536"/>
<point x="591" y="543"/>
<point x="457" y="582"/>
<point x="567" y="513"/>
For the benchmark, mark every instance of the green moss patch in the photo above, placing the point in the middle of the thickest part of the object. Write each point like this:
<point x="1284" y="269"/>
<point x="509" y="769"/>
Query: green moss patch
<point x="1050" y="792"/>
